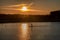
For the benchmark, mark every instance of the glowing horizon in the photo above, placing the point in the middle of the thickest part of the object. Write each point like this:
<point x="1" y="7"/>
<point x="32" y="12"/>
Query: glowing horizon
<point x="35" y="7"/>
<point x="24" y="9"/>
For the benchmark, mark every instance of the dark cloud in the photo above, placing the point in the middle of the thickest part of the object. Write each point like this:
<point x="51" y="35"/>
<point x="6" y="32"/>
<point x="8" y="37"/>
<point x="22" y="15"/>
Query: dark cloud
<point x="9" y="2"/>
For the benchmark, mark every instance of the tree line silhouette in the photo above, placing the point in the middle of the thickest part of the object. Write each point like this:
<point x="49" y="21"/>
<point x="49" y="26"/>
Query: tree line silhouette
<point x="53" y="17"/>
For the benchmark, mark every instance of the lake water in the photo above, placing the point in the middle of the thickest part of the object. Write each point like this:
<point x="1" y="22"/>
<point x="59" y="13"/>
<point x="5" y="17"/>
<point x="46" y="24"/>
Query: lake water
<point x="30" y="31"/>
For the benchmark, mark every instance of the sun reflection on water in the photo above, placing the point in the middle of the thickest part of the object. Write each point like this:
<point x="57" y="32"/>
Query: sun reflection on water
<point x="24" y="32"/>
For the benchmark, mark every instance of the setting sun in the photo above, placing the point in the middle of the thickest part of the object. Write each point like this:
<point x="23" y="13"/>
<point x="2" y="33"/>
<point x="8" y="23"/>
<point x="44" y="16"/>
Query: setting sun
<point x="24" y="8"/>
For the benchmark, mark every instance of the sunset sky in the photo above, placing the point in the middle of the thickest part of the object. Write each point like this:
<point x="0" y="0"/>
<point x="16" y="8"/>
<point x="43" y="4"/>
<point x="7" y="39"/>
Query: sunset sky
<point x="38" y="7"/>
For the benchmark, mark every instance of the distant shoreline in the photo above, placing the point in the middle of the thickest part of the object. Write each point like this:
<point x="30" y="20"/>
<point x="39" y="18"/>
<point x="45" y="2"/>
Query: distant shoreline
<point x="9" y="18"/>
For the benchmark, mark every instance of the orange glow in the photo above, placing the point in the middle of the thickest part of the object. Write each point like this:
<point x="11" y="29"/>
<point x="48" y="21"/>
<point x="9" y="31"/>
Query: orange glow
<point x="24" y="31"/>
<point x="24" y="8"/>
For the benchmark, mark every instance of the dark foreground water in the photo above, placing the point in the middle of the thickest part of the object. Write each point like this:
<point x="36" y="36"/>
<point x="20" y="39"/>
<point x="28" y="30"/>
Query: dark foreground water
<point x="30" y="31"/>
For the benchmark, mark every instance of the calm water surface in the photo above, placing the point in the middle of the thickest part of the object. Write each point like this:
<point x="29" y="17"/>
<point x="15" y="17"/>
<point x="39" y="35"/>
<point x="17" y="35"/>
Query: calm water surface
<point x="30" y="31"/>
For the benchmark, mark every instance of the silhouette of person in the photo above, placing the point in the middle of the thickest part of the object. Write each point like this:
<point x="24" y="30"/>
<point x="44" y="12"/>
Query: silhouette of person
<point x="31" y="25"/>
